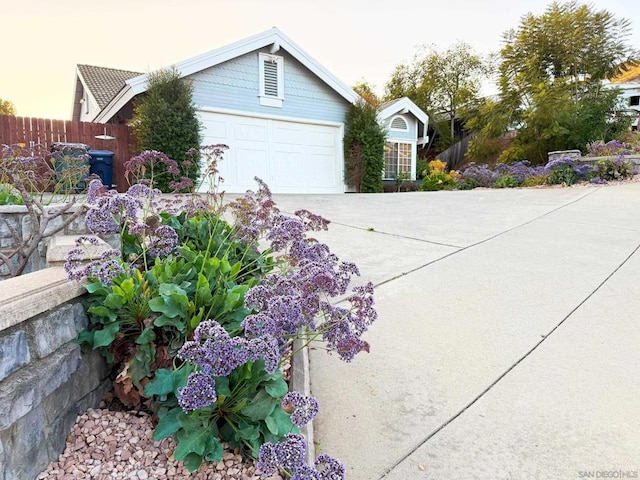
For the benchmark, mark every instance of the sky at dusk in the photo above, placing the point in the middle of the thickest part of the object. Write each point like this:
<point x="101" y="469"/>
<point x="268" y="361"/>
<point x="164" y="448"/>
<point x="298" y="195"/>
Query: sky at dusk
<point x="43" y="40"/>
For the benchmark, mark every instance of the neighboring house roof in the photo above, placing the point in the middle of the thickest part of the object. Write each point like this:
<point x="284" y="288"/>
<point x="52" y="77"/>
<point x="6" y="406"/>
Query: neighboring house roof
<point x="104" y="83"/>
<point x="273" y="37"/>
<point x="402" y="105"/>
<point x="405" y="105"/>
<point x="629" y="75"/>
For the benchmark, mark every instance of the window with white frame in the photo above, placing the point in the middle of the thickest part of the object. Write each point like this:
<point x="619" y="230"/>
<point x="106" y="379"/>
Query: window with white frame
<point x="397" y="160"/>
<point x="271" y="69"/>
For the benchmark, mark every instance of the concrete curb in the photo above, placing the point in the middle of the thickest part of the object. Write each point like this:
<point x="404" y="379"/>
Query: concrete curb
<point x="301" y="382"/>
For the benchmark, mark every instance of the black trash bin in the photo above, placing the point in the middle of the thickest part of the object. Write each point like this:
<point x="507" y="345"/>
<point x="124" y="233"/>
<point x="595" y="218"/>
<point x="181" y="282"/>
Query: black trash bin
<point x="102" y="165"/>
<point x="73" y="180"/>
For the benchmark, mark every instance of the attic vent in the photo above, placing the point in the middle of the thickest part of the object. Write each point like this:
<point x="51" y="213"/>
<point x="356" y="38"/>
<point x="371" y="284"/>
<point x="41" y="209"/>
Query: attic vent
<point x="399" y="123"/>
<point x="270" y="79"/>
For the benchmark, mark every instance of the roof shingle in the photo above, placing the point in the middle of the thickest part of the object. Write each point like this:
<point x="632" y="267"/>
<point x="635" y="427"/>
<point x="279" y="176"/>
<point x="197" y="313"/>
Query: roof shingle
<point x="104" y="83"/>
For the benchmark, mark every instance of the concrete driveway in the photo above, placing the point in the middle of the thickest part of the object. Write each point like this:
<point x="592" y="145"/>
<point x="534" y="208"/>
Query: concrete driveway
<point x="508" y="342"/>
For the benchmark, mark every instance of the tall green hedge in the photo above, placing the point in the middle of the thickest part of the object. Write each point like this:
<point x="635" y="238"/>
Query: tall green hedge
<point x="165" y="120"/>
<point x="364" y="141"/>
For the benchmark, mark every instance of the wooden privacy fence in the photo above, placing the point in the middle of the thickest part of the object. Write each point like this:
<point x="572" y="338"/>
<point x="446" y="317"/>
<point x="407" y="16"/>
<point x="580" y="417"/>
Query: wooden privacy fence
<point x="454" y="155"/>
<point x="45" y="132"/>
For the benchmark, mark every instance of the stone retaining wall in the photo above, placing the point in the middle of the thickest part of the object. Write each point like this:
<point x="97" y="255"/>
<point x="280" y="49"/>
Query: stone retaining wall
<point x="16" y="225"/>
<point x="45" y="380"/>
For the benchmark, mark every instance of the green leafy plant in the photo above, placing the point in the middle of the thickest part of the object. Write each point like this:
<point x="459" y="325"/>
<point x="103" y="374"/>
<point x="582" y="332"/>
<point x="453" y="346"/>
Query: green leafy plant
<point x="535" y="181"/>
<point x="613" y="169"/>
<point x="438" y="181"/>
<point x="197" y="317"/>
<point x="9" y="195"/>
<point x="506" y="181"/>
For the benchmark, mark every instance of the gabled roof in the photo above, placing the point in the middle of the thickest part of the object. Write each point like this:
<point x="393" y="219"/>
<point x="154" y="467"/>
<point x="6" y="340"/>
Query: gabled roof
<point x="104" y="83"/>
<point x="402" y="105"/>
<point x="273" y="37"/>
<point x="629" y="75"/>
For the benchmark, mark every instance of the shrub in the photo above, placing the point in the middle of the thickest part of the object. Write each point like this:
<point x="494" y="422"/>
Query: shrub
<point x="535" y="181"/>
<point x="364" y="141"/>
<point x="506" y="181"/>
<point x="422" y="169"/>
<point x="198" y="319"/>
<point x="436" y="166"/>
<point x="609" y="169"/>
<point x="565" y="171"/>
<point x="481" y="175"/>
<point x="437" y="180"/>
<point x="165" y="120"/>
<point x="466" y="184"/>
<point x="612" y="148"/>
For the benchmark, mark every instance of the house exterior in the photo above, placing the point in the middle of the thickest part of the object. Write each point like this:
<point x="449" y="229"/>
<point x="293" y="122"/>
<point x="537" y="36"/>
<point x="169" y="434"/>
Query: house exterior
<point x="94" y="88"/>
<point x="280" y="112"/>
<point x="406" y="125"/>
<point x="629" y="84"/>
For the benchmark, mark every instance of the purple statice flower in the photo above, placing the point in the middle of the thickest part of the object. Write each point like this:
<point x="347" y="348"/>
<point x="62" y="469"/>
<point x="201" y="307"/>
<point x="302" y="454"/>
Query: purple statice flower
<point x="95" y="190"/>
<point x="284" y="231"/>
<point x="306" y="472"/>
<point x="481" y="174"/>
<point x="185" y="183"/>
<point x="216" y="352"/>
<point x="343" y="328"/>
<point x="598" y="181"/>
<point x="104" y="269"/>
<point x="162" y="241"/>
<point x="312" y="222"/>
<point x="329" y="468"/>
<point x="303" y="409"/>
<point x="199" y="392"/>
<point x="254" y="213"/>
<point x="147" y="161"/>
<point x="289" y="456"/>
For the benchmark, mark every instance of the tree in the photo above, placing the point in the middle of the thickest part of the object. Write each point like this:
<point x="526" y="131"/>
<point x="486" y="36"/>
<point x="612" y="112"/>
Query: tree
<point x="364" y="141"/>
<point x="7" y="108"/>
<point x="365" y="90"/>
<point x="550" y="76"/>
<point x="165" y="120"/>
<point x="445" y="84"/>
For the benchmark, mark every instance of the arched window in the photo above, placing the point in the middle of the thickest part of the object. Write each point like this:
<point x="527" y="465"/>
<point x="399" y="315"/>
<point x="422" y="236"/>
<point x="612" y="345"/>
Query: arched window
<point x="399" y="123"/>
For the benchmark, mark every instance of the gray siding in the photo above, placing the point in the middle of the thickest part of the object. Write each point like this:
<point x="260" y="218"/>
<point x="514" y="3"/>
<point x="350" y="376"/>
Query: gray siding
<point x="234" y="85"/>
<point x="411" y="134"/>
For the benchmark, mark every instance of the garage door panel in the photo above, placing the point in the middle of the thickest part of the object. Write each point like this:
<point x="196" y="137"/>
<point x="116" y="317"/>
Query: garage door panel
<point x="290" y="136"/>
<point x="319" y="170"/>
<point x="250" y="163"/>
<point x="215" y="128"/>
<point x="251" y="132"/>
<point x="291" y="157"/>
<point x="286" y="169"/>
<point x="320" y="138"/>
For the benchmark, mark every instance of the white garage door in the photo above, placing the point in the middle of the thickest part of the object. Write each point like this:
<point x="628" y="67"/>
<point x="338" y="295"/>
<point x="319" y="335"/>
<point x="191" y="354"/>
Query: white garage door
<point x="290" y="157"/>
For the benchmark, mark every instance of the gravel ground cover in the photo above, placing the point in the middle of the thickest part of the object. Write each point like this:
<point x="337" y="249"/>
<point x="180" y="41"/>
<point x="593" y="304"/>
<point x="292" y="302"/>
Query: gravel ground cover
<point x="106" y="444"/>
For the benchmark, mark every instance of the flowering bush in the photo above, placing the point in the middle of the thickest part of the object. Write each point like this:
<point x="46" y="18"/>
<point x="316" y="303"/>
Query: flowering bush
<point x="609" y="169"/>
<point x="566" y="171"/>
<point x="198" y="319"/>
<point x="612" y="148"/>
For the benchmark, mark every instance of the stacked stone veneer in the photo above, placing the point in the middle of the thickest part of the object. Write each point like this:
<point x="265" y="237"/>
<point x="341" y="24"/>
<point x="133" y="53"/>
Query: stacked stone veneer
<point x="16" y="225"/>
<point x="45" y="379"/>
